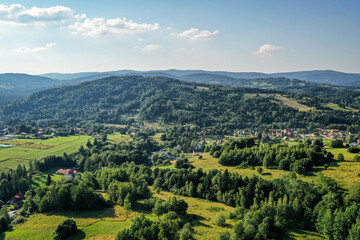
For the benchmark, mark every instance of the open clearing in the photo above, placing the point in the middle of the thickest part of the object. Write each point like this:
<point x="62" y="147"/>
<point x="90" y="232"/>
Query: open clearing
<point x="344" y="173"/>
<point x="293" y="103"/>
<point x="284" y="100"/>
<point x="105" y="224"/>
<point x="30" y="149"/>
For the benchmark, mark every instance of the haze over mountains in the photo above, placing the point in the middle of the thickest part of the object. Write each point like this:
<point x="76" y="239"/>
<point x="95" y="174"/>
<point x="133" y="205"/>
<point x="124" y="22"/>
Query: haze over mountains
<point x="318" y="76"/>
<point x="15" y="85"/>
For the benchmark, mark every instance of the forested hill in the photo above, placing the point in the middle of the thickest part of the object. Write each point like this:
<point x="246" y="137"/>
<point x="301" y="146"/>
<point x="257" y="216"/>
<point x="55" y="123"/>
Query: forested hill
<point x="167" y="100"/>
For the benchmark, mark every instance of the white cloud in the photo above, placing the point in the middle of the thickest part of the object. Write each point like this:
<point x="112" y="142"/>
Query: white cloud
<point x="268" y="48"/>
<point x="151" y="47"/>
<point x="196" y="34"/>
<point x="102" y="26"/>
<point x="18" y="14"/>
<point x="34" y="50"/>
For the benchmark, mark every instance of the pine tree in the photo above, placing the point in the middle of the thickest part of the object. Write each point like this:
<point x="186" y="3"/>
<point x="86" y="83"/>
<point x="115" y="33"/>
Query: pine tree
<point x="48" y="180"/>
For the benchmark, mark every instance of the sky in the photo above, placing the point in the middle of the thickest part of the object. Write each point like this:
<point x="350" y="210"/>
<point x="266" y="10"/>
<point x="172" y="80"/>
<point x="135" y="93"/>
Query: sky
<point x="230" y="35"/>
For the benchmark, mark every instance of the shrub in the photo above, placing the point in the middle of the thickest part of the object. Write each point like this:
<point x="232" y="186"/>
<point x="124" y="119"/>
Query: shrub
<point x="223" y="236"/>
<point x="260" y="170"/>
<point x="341" y="157"/>
<point x="337" y="143"/>
<point x="357" y="158"/>
<point x="353" y="150"/>
<point x="65" y="229"/>
<point x="220" y="220"/>
<point x="171" y="215"/>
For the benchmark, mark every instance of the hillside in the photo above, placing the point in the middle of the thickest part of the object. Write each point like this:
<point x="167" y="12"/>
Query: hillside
<point x="16" y="85"/>
<point x="166" y="100"/>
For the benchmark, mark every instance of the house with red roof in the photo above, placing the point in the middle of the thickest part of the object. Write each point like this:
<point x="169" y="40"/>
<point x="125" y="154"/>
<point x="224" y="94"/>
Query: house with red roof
<point x="69" y="173"/>
<point x="17" y="199"/>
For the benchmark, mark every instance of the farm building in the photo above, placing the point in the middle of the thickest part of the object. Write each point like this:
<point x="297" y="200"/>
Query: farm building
<point x="69" y="173"/>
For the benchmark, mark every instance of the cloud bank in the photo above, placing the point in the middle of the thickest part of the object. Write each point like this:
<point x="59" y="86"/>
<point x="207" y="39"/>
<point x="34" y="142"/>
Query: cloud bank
<point x="18" y="14"/>
<point x="102" y="26"/>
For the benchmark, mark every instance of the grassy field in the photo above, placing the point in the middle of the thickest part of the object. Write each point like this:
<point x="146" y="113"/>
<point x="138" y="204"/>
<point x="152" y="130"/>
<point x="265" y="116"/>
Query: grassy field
<point x="345" y="173"/>
<point x="284" y="100"/>
<point x="30" y="149"/>
<point x="336" y="107"/>
<point x="105" y="224"/>
<point x="292" y="103"/>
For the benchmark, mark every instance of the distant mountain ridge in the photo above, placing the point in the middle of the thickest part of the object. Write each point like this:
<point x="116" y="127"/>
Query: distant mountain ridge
<point x="320" y="83"/>
<point x="329" y="77"/>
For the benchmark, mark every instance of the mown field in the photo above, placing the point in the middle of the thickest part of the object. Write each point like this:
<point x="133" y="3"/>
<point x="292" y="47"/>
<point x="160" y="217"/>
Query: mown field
<point x="30" y="149"/>
<point x="105" y="224"/>
<point x="344" y="173"/>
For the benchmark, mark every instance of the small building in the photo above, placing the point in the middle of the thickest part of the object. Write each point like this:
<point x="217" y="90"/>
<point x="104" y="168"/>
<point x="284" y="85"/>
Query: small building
<point x="69" y="173"/>
<point x="17" y="199"/>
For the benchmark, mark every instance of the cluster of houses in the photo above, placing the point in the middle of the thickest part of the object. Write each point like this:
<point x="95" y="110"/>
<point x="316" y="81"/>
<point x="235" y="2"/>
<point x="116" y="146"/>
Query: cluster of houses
<point x="285" y="134"/>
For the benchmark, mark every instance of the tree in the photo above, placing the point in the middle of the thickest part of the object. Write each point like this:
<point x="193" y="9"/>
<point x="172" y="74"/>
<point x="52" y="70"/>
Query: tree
<point x="326" y="166"/>
<point x="341" y="157"/>
<point x="65" y="229"/>
<point x="356" y="158"/>
<point x="104" y="137"/>
<point x="260" y="170"/>
<point x="220" y="220"/>
<point x="127" y="204"/>
<point x="159" y="208"/>
<point x="223" y="236"/>
<point x="48" y="180"/>
<point x="337" y="143"/>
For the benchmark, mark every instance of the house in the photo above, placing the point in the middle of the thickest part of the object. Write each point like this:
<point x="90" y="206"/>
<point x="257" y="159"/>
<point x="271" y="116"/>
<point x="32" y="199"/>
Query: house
<point x="17" y="199"/>
<point x="69" y="173"/>
<point x="353" y="144"/>
<point x="279" y="134"/>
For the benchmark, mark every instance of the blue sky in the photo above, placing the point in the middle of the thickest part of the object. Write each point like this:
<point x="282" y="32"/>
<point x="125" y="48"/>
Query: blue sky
<point x="260" y="36"/>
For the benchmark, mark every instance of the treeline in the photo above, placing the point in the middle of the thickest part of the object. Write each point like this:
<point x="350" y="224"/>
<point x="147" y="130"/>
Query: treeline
<point x="97" y="154"/>
<point x="299" y="159"/>
<point x="13" y="182"/>
<point x="64" y="195"/>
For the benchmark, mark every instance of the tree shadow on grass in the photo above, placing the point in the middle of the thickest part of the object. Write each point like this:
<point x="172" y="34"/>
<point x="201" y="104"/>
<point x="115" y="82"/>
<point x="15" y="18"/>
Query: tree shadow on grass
<point x="196" y="220"/>
<point x="78" y="236"/>
<point x="100" y="213"/>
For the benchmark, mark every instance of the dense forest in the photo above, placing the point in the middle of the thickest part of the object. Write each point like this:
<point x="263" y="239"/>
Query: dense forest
<point x="169" y="101"/>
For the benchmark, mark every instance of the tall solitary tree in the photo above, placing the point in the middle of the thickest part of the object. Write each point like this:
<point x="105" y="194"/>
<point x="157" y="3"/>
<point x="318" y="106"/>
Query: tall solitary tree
<point x="48" y="180"/>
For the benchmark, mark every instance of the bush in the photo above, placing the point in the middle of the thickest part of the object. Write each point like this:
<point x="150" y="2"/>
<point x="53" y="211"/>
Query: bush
<point x="18" y="219"/>
<point x="260" y="170"/>
<point x="220" y="220"/>
<point x="200" y="157"/>
<point x="171" y="215"/>
<point x="337" y="143"/>
<point x="65" y="229"/>
<point x="357" y="158"/>
<point x="223" y="236"/>
<point x="353" y="150"/>
<point x="341" y="157"/>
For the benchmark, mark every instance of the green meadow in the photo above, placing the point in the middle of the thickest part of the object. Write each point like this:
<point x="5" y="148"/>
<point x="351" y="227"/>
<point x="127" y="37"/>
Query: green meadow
<point x="30" y="149"/>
